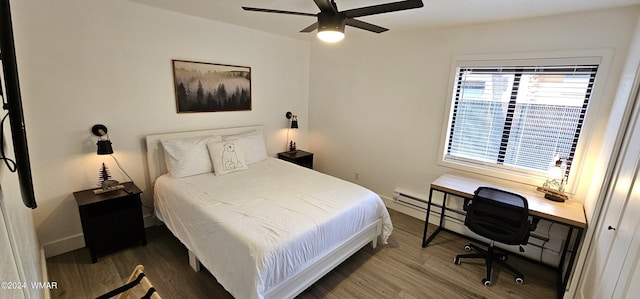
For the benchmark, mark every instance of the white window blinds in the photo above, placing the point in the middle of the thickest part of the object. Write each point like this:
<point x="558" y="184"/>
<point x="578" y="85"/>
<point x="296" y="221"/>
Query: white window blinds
<point x="518" y="117"/>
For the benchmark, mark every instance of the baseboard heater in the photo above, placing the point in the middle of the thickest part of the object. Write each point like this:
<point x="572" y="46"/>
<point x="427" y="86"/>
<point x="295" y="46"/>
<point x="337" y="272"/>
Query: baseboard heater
<point x="419" y="203"/>
<point x="410" y="200"/>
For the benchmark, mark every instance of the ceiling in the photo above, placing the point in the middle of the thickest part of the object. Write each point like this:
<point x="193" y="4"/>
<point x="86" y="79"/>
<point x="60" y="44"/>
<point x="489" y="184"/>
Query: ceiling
<point x="435" y="13"/>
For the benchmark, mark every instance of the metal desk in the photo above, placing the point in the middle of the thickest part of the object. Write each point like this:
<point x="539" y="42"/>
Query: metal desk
<point x="567" y="213"/>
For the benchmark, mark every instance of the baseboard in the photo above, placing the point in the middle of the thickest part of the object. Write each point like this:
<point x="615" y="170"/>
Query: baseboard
<point x="63" y="245"/>
<point x="76" y="242"/>
<point x="45" y="273"/>
<point x="149" y="220"/>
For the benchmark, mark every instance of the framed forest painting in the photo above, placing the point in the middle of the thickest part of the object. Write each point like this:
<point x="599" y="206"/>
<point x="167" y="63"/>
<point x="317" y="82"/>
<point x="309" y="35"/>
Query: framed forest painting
<point x="210" y="87"/>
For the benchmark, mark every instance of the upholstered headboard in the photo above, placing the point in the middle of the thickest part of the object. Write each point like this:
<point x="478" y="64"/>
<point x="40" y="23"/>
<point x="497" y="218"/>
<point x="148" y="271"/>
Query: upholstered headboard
<point x="155" y="154"/>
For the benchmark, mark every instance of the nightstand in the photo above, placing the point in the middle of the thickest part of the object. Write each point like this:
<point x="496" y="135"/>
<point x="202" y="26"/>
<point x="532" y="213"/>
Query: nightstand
<point x="112" y="220"/>
<point x="299" y="157"/>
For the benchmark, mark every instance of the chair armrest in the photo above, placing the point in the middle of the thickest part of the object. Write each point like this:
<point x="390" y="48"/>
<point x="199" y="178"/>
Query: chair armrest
<point x="467" y="202"/>
<point x="534" y="223"/>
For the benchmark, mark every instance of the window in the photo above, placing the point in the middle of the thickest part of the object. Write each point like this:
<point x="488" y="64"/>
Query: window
<point x="518" y="117"/>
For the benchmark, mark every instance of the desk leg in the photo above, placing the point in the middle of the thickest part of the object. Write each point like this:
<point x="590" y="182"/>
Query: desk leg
<point x="426" y="241"/>
<point x="574" y="253"/>
<point x="563" y="276"/>
<point x="444" y="204"/>
<point x="426" y="220"/>
<point x="560" y="287"/>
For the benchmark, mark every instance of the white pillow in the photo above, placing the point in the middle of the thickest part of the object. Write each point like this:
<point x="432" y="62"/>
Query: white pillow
<point x="188" y="156"/>
<point x="227" y="157"/>
<point x="252" y="145"/>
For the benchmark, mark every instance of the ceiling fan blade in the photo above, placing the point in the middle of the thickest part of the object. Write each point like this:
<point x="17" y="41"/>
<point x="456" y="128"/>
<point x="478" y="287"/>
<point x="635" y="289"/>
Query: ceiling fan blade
<point x="311" y="27"/>
<point x="326" y="6"/>
<point x="278" y="11"/>
<point x="365" y="26"/>
<point x="382" y="8"/>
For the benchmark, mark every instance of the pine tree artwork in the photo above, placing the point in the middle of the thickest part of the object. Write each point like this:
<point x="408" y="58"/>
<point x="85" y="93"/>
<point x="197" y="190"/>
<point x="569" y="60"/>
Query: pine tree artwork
<point x="103" y="175"/>
<point x="210" y="87"/>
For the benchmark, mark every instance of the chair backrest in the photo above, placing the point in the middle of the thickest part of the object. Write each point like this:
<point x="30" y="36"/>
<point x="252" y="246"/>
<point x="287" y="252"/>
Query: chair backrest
<point x="499" y="215"/>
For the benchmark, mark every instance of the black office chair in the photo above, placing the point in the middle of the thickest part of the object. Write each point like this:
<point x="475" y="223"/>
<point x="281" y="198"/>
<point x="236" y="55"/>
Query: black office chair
<point x="500" y="216"/>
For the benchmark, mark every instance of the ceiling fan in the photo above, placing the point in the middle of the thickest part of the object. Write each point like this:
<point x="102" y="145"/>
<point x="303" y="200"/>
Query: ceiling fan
<point x="331" y="21"/>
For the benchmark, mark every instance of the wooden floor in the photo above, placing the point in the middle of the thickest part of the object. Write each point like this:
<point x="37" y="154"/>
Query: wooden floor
<point x="400" y="269"/>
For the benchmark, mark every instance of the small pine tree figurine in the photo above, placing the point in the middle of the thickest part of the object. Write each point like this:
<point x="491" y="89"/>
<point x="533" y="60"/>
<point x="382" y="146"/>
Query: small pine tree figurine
<point x="103" y="175"/>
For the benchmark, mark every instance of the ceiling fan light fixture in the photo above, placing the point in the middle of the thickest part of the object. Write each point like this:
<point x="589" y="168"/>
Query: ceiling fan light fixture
<point x="331" y="21"/>
<point x="330" y="36"/>
<point x="331" y="27"/>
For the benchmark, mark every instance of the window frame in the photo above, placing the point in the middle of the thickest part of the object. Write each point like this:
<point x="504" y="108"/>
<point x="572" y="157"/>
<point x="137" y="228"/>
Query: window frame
<point x="600" y="57"/>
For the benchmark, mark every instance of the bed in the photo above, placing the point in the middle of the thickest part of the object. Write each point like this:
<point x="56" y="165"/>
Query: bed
<point x="268" y="229"/>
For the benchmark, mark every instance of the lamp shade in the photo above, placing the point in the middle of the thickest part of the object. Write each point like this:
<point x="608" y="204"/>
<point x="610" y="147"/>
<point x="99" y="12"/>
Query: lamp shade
<point x="293" y="118"/>
<point x="104" y="147"/>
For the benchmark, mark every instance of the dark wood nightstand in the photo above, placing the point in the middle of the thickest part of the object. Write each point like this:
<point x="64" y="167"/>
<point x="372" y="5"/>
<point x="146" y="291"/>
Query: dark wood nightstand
<point x="299" y="157"/>
<point x="112" y="220"/>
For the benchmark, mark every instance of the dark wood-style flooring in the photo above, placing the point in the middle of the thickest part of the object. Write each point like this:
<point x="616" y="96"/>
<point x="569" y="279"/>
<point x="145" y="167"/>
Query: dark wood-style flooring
<point x="400" y="269"/>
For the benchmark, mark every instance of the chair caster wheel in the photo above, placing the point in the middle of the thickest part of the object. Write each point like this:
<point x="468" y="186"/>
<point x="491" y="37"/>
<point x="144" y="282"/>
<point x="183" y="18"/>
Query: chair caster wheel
<point x="502" y="258"/>
<point x="456" y="261"/>
<point x="486" y="282"/>
<point x="519" y="280"/>
<point x="467" y="248"/>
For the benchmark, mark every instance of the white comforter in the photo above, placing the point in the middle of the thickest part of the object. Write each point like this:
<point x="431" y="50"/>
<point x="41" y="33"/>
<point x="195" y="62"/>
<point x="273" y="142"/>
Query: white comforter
<point x="254" y="228"/>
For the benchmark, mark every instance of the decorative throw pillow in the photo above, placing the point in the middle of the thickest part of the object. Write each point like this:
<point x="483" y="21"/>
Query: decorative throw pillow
<point x="227" y="157"/>
<point x="252" y="144"/>
<point x="188" y="156"/>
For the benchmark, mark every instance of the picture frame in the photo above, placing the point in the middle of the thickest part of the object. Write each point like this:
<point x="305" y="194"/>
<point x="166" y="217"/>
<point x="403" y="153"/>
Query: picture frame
<point x="211" y="87"/>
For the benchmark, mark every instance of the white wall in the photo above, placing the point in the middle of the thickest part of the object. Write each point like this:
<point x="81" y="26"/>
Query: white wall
<point x="21" y="258"/>
<point x="83" y="62"/>
<point x="598" y="240"/>
<point x="377" y="103"/>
